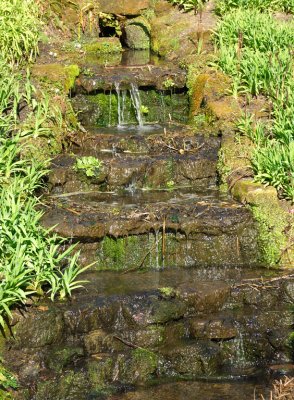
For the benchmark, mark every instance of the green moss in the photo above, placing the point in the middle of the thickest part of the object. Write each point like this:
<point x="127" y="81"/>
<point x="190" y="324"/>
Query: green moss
<point x="145" y="357"/>
<point x="114" y="251"/>
<point x="103" y="46"/>
<point x="61" y="76"/>
<point x="271" y="225"/>
<point x="290" y="343"/>
<point x="142" y="251"/>
<point x="71" y="73"/>
<point x="272" y="220"/>
<point x="59" y="358"/>
<point x="68" y="386"/>
<point x="167" y="291"/>
<point x="100" y="374"/>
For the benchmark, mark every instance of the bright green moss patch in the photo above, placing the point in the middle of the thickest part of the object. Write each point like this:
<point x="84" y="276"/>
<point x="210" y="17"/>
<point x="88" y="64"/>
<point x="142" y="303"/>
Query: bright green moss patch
<point x="103" y="46"/>
<point x="62" y="76"/>
<point x="272" y="219"/>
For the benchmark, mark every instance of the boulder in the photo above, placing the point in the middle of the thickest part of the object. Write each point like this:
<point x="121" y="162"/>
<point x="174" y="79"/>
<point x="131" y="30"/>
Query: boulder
<point x="137" y="34"/>
<point x="123" y="7"/>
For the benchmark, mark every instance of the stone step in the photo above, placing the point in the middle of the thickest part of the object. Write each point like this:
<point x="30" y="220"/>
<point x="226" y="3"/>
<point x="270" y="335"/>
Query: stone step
<point x="161" y="77"/>
<point x="156" y="228"/>
<point x="197" y="169"/>
<point x="148" y="325"/>
<point x="149" y="139"/>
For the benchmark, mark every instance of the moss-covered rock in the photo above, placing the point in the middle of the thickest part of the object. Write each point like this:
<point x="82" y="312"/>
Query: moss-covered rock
<point x="208" y="94"/>
<point x="106" y="45"/>
<point x="196" y="359"/>
<point x="137" y="34"/>
<point x="100" y="372"/>
<point x="139" y="367"/>
<point x="38" y="329"/>
<point x="72" y="385"/>
<point x="62" y="76"/>
<point x="123" y="7"/>
<point x="273" y="220"/>
<point x="62" y="356"/>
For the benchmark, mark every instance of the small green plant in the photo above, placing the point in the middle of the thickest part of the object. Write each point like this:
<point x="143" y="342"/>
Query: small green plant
<point x="189" y="5"/>
<point x="168" y="83"/>
<point x="109" y="21"/>
<point x="167" y="291"/>
<point x="144" y="110"/>
<point x="170" y="185"/>
<point x="7" y="380"/>
<point x="88" y="165"/>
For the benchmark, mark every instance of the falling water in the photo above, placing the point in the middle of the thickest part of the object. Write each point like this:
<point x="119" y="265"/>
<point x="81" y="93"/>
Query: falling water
<point x="121" y="103"/>
<point x="110" y="108"/>
<point x="124" y="95"/>
<point x="135" y="96"/>
<point x="119" y="113"/>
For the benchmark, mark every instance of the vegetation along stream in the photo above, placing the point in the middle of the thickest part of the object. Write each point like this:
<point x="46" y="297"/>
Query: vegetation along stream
<point x="147" y="188"/>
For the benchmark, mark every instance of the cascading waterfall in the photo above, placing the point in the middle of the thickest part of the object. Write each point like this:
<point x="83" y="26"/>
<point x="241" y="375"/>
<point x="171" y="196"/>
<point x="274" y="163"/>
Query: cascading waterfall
<point x="136" y="100"/>
<point x="121" y="103"/>
<point x="119" y="113"/>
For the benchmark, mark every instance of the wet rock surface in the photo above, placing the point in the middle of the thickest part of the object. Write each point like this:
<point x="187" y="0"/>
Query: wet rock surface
<point x="130" y="329"/>
<point x="175" y="290"/>
<point x="151" y="75"/>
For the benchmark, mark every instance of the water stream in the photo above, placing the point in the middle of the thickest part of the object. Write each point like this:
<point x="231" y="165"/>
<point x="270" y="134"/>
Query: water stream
<point x="121" y="103"/>
<point x="167" y="301"/>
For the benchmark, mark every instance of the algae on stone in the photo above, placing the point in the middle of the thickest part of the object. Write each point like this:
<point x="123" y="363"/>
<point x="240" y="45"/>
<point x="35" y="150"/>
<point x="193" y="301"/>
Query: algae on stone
<point x="103" y="46"/>
<point x="60" y="75"/>
<point x="137" y="34"/>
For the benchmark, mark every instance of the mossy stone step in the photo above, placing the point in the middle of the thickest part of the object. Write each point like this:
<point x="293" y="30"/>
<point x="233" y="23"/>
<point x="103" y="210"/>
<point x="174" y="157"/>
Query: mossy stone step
<point x="162" y="165"/>
<point x="148" y="325"/>
<point x="157" y="230"/>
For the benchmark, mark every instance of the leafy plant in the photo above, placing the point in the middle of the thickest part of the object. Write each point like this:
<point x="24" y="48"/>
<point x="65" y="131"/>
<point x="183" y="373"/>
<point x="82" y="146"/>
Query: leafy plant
<point x="109" y="21"/>
<point x="32" y="261"/>
<point x="224" y="6"/>
<point x="19" y="30"/>
<point x="257" y="52"/>
<point x="189" y="5"/>
<point x="89" y="165"/>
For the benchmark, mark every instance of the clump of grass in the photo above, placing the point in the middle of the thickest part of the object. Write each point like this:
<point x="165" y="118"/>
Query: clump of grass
<point x="19" y="30"/>
<point x="224" y="6"/>
<point x="189" y="5"/>
<point x="32" y="261"/>
<point x="257" y="51"/>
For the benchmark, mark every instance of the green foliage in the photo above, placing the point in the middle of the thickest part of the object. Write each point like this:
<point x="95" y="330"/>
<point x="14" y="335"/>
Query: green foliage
<point x="168" y="83"/>
<point x="19" y="30"/>
<point x="189" y="5"/>
<point x="109" y="21"/>
<point x="31" y="259"/>
<point x="88" y="165"/>
<point x="256" y="51"/>
<point x="224" y="6"/>
<point x="7" y="380"/>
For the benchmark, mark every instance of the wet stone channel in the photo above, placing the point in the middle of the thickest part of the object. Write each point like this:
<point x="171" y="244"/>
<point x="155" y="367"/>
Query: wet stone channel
<point x="177" y="302"/>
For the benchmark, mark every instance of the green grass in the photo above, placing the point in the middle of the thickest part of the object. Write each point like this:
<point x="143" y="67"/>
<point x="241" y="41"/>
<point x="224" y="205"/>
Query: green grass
<point x="257" y="52"/>
<point x="31" y="258"/>
<point x="19" y="30"/>
<point x="189" y="5"/>
<point x="224" y="6"/>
